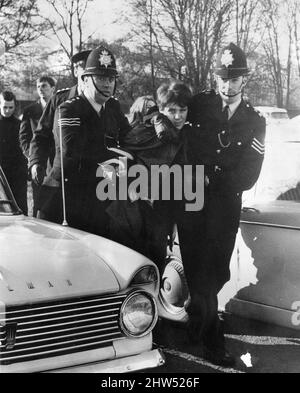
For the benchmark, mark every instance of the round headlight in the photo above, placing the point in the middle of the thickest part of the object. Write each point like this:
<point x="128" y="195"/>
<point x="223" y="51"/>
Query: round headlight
<point x="138" y="314"/>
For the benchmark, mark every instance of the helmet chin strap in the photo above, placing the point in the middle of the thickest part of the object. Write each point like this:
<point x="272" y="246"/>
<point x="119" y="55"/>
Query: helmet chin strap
<point x="100" y="91"/>
<point x="232" y="95"/>
<point x="239" y="92"/>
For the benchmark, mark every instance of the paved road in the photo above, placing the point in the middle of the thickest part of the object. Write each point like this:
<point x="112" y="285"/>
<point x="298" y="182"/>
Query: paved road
<point x="271" y="349"/>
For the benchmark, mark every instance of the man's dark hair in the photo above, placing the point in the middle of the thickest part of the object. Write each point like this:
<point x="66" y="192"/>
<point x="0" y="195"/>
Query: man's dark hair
<point x="8" y="96"/>
<point x="174" y="92"/>
<point x="48" y="79"/>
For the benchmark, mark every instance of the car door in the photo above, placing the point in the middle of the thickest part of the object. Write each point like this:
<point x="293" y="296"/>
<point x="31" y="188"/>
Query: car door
<point x="265" y="267"/>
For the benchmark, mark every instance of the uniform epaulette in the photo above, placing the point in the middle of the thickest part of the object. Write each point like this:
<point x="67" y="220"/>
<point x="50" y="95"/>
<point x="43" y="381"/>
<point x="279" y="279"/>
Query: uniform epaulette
<point x="63" y="90"/>
<point x="258" y="112"/>
<point x="208" y="92"/>
<point x="76" y="98"/>
<point x="249" y="105"/>
<point x="254" y="110"/>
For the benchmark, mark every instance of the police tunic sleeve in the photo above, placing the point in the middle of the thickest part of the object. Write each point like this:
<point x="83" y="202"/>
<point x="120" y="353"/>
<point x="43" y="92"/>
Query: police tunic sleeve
<point x="42" y="136"/>
<point x="66" y="126"/>
<point x="25" y="133"/>
<point x="42" y="143"/>
<point x="245" y="174"/>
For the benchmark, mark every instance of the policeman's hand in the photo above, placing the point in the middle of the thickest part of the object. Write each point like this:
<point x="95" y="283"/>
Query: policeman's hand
<point x="38" y="173"/>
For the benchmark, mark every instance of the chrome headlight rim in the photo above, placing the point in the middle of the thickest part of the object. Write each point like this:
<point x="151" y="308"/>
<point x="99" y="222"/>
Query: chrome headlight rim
<point x="154" y="319"/>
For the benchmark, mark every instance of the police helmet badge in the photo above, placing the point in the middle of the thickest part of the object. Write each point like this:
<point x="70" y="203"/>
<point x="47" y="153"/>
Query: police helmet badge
<point x="227" y="58"/>
<point x="105" y="59"/>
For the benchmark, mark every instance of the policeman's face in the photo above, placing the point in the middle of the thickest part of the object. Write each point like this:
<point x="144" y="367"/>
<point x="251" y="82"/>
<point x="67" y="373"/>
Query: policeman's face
<point x="44" y="90"/>
<point x="176" y="114"/>
<point x="230" y="89"/>
<point x="99" y="87"/>
<point x="7" y="108"/>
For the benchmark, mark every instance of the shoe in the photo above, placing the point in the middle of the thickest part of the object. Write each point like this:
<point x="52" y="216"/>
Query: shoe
<point x="219" y="357"/>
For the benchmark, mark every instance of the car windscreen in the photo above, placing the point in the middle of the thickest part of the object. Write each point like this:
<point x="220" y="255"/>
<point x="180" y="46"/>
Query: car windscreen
<point x="280" y="175"/>
<point x="279" y="115"/>
<point x="7" y="202"/>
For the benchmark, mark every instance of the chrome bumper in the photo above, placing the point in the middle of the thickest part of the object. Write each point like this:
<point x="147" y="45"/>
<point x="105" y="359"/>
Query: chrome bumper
<point x="151" y="359"/>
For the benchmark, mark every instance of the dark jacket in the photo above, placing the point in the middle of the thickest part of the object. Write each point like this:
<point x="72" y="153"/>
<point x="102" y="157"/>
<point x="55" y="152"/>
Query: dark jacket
<point x="145" y="224"/>
<point x="11" y="156"/>
<point x="149" y="149"/>
<point x="233" y="152"/>
<point x="29" y="123"/>
<point x="12" y="159"/>
<point x="84" y="136"/>
<point x="42" y="146"/>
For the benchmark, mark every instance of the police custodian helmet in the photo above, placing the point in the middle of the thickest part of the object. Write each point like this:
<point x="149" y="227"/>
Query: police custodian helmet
<point x="83" y="55"/>
<point x="100" y="62"/>
<point x="231" y="62"/>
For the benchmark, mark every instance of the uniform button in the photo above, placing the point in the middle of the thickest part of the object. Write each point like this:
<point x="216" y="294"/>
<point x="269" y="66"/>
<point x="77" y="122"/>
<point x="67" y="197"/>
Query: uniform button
<point x="218" y="151"/>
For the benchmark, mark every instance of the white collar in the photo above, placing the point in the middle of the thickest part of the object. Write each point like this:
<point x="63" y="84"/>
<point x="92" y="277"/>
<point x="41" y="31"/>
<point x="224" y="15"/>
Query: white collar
<point x="94" y="104"/>
<point x="232" y="107"/>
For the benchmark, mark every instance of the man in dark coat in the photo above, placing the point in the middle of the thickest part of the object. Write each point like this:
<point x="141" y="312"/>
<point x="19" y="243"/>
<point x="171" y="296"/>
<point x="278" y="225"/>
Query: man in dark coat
<point x="42" y="147"/>
<point x="145" y="223"/>
<point x="45" y="87"/>
<point x="83" y="126"/>
<point x="12" y="160"/>
<point x="228" y="137"/>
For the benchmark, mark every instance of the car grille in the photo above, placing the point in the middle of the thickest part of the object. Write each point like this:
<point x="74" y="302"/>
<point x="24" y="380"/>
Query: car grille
<point x="58" y="328"/>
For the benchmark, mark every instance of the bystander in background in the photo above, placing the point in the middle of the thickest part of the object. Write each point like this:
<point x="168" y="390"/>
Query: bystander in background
<point x="45" y="86"/>
<point x="12" y="159"/>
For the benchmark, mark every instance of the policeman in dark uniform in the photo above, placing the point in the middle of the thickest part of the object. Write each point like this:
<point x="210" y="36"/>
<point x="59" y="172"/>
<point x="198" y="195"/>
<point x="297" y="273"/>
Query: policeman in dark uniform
<point x="42" y="149"/>
<point x="228" y="138"/>
<point x="84" y="126"/>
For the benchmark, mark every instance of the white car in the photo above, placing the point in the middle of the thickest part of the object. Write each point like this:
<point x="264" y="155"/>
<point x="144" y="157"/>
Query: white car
<point x="273" y="114"/>
<point x="71" y="301"/>
<point x="295" y="121"/>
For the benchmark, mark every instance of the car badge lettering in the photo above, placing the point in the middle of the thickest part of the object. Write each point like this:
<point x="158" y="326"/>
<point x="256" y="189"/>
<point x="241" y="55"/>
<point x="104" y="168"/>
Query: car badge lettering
<point x="11" y="330"/>
<point x="227" y="58"/>
<point x="30" y="285"/>
<point x="105" y="59"/>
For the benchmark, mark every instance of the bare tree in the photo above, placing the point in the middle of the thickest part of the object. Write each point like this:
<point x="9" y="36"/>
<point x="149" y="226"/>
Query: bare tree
<point x="151" y="48"/>
<point x="248" y="29"/>
<point x="67" y="25"/>
<point x="295" y="20"/>
<point x="186" y="35"/>
<point x="271" y="45"/>
<point x="289" y="58"/>
<point x="20" y="23"/>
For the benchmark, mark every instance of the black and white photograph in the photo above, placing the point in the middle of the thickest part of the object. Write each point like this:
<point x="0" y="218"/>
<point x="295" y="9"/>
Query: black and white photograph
<point x="149" y="189"/>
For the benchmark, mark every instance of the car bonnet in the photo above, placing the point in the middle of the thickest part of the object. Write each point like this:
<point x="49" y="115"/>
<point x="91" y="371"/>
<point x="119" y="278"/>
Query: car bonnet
<point x="38" y="262"/>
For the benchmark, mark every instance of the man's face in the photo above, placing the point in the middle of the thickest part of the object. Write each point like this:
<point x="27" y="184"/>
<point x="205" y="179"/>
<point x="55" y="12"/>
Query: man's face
<point x="99" y="87"/>
<point x="230" y="89"/>
<point x="176" y="114"/>
<point x="44" y="90"/>
<point x="7" y="108"/>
